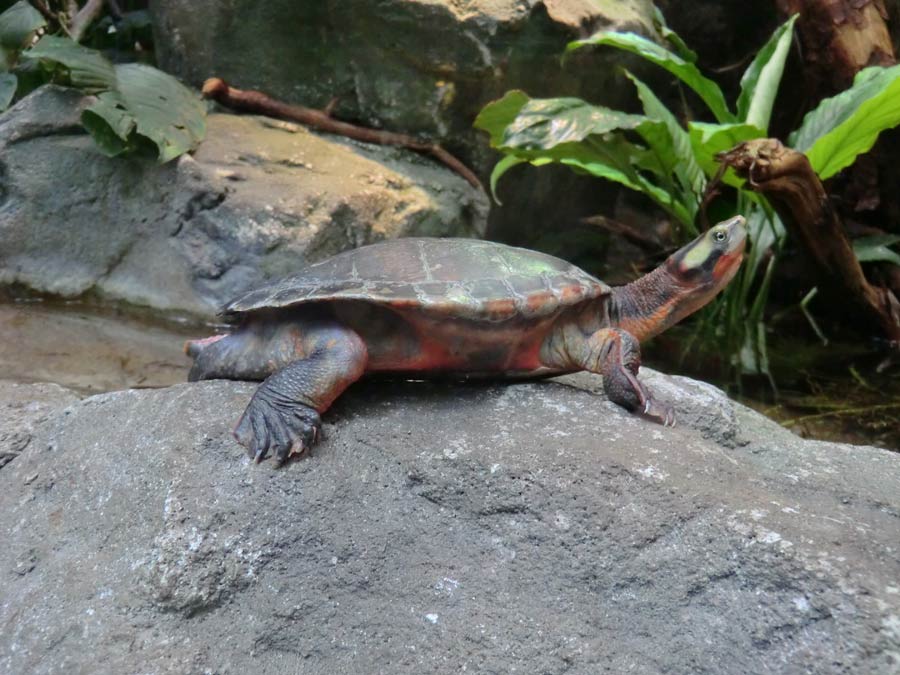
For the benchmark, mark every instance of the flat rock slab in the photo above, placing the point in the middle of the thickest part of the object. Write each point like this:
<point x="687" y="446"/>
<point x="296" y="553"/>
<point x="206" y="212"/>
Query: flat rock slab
<point x="258" y="199"/>
<point x="530" y="528"/>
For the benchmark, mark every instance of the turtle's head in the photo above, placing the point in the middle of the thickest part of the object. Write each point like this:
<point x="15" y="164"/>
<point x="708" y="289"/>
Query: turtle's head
<point x="708" y="263"/>
<point x="704" y="267"/>
<point x="685" y="282"/>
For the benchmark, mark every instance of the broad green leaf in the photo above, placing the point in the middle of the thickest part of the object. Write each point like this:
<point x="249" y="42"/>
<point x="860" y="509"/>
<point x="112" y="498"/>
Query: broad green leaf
<point x="164" y="110"/>
<point x="149" y="103"/>
<point x="613" y="170"/>
<point x="497" y="115"/>
<point x="88" y="69"/>
<point x="501" y="168"/>
<point x="8" y="84"/>
<point x="759" y="84"/>
<point x="707" y="140"/>
<point x="18" y="24"/>
<point x="546" y="123"/>
<point x="847" y="125"/>
<point x="875" y="248"/>
<point x="674" y="144"/>
<point x="109" y="122"/>
<point x="685" y="71"/>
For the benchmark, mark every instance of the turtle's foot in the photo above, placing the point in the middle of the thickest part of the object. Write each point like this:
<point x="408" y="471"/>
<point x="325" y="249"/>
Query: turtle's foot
<point x="284" y="428"/>
<point x="655" y="411"/>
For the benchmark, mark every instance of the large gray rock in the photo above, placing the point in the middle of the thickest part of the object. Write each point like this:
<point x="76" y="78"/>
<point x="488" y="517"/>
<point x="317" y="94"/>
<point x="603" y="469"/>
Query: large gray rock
<point x="258" y="199"/>
<point x="529" y="528"/>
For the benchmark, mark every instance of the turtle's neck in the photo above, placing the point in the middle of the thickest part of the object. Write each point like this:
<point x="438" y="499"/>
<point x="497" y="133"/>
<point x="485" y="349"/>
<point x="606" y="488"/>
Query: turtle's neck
<point x="649" y="305"/>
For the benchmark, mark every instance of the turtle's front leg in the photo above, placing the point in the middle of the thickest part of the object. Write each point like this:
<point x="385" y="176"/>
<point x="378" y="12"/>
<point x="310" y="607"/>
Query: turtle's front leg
<point x="283" y="415"/>
<point x="616" y="355"/>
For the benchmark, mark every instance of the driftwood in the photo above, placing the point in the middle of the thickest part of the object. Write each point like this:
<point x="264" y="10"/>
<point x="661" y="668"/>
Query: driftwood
<point x="787" y="179"/>
<point x="321" y="120"/>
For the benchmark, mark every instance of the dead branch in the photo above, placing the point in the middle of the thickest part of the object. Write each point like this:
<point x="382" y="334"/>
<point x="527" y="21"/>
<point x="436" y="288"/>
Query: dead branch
<point x="257" y="102"/>
<point x="83" y="18"/>
<point x="787" y="179"/>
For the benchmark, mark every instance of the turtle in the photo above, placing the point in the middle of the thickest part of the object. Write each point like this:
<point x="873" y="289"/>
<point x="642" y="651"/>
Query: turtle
<point x="443" y="307"/>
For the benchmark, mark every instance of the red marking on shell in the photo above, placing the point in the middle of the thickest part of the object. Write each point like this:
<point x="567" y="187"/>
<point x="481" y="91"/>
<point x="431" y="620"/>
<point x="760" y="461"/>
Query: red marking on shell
<point x="570" y="294"/>
<point x="501" y="308"/>
<point x="538" y="301"/>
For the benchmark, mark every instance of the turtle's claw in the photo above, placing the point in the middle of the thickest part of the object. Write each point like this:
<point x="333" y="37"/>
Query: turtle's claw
<point x="658" y="412"/>
<point x="283" y="429"/>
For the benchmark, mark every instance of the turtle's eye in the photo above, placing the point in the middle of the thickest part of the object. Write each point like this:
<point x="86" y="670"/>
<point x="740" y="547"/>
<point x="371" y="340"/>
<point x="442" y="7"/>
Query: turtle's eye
<point x="720" y="236"/>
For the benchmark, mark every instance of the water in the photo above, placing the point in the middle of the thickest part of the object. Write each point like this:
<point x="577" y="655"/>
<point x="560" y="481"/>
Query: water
<point x="90" y="349"/>
<point x="839" y="393"/>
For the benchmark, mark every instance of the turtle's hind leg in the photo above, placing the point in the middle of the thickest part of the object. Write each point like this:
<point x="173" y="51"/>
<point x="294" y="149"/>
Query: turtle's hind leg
<point x="283" y="415"/>
<point x="252" y="352"/>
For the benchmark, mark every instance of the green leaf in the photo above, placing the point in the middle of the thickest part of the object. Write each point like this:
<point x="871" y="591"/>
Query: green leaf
<point x="847" y="125"/>
<point x="707" y="140"/>
<point x="546" y="123"/>
<point x="110" y="123"/>
<point x="670" y="36"/>
<point x="149" y="103"/>
<point x="18" y="24"/>
<point x="612" y="168"/>
<point x="501" y="168"/>
<point x="674" y="145"/>
<point x="88" y="69"/>
<point x="585" y="138"/>
<point x="875" y="248"/>
<point x="165" y="111"/>
<point x="759" y="84"/>
<point x="497" y="115"/>
<point x="685" y="71"/>
<point x="8" y="84"/>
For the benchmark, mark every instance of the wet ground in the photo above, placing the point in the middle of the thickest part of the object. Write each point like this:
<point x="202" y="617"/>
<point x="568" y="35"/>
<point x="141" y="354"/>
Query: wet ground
<point x="853" y="397"/>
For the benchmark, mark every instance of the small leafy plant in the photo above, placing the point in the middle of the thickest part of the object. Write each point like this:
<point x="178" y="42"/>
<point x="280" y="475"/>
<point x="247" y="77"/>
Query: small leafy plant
<point x="672" y="164"/>
<point x="136" y="106"/>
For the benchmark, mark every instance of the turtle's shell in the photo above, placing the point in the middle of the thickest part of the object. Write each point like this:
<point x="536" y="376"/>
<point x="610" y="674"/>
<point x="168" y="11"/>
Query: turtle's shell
<point x="455" y="278"/>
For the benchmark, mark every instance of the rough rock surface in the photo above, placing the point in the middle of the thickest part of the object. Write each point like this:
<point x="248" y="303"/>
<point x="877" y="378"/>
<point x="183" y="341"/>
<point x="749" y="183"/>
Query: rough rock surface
<point x="22" y="408"/>
<point x="257" y="199"/>
<point x="529" y="528"/>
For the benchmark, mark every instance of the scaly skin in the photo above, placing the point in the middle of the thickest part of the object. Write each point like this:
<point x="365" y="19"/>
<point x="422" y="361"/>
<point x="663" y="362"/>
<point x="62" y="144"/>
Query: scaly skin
<point x="308" y="357"/>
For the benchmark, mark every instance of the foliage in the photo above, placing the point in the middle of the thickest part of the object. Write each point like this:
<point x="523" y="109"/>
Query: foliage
<point x="672" y="164"/>
<point x="135" y="107"/>
<point x="848" y="124"/>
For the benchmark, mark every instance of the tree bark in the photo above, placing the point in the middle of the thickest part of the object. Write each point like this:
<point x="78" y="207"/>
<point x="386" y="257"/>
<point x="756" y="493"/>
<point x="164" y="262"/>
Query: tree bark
<point x="840" y="38"/>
